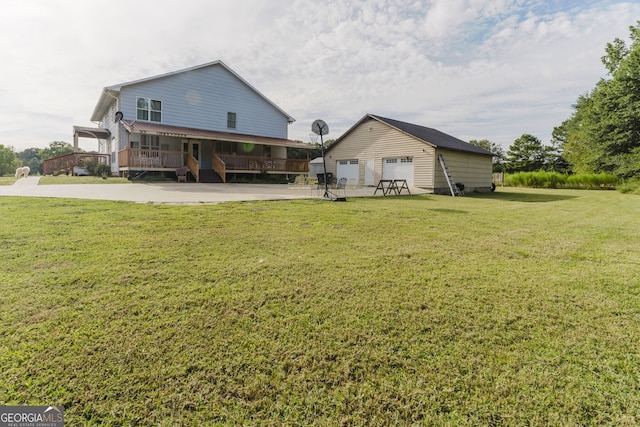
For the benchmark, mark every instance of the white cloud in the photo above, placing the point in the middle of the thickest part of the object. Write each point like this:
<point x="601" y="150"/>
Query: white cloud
<point x="474" y="68"/>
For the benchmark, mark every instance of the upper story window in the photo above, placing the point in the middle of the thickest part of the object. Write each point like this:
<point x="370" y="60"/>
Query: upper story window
<point x="231" y="120"/>
<point x="149" y="109"/>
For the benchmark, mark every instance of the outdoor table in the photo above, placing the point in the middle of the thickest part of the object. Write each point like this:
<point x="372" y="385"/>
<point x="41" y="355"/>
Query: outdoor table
<point x="389" y="185"/>
<point x="403" y="185"/>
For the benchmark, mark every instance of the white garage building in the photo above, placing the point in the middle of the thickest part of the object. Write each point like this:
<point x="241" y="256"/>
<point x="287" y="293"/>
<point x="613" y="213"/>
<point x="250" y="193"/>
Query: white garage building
<point x="378" y="148"/>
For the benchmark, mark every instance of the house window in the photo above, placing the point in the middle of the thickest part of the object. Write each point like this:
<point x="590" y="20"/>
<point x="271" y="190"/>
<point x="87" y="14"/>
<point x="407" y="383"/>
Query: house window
<point x="149" y="109"/>
<point x="150" y="142"/>
<point x="156" y="110"/>
<point x="224" y="147"/>
<point x="231" y="120"/>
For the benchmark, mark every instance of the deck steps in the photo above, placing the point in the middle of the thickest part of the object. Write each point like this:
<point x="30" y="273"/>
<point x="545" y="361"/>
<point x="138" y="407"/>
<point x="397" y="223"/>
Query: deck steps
<point x="210" y="176"/>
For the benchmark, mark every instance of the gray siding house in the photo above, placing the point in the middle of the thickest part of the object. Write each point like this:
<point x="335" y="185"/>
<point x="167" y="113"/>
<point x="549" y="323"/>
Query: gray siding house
<point x="206" y="118"/>
<point x="378" y="148"/>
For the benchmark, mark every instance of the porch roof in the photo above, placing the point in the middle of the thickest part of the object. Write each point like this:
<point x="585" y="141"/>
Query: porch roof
<point x="87" y="132"/>
<point x="133" y="126"/>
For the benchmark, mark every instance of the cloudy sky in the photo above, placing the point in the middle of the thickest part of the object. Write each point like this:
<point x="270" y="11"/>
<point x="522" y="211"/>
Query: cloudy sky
<point x="475" y="69"/>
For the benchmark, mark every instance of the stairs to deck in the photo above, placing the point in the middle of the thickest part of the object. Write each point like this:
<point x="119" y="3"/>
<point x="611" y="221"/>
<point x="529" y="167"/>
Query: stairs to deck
<point x="210" y="176"/>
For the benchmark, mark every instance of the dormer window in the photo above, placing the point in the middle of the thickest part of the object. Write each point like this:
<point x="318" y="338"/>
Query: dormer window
<point x="231" y="120"/>
<point x="149" y="109"/>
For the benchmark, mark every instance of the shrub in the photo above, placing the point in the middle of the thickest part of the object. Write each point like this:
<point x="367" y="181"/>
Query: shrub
<point x="102" y="170"/>
<point x="544" y="179"/>
<point x="592" y="181"/>
<point x="98" y="169"/>
<point x="540" y="179"/>
<point x="630" y="186"/>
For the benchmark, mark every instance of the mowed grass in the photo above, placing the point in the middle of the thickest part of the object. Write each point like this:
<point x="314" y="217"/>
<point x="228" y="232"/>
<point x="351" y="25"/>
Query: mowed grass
<point x="70" y="179"/>
<point x="7" y="180"/>
<point x="520" y="307"/>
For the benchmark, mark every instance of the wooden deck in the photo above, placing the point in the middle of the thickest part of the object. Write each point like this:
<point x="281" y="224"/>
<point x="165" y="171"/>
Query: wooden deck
<point x="234" y="163"/>
<point x="64" y="164"/>
<point x="138" y="159"/>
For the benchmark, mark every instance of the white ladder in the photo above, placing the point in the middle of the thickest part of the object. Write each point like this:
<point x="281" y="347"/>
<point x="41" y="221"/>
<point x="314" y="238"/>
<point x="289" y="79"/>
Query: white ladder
<point x="455" y="191"/>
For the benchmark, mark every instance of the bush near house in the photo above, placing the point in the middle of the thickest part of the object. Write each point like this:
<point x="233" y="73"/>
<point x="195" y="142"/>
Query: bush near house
<point x="98" y="169"/>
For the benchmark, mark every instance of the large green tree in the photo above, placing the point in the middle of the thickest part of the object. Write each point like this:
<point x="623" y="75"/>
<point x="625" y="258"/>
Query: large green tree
<point x="32" y="157"/>
<point x="603" y="134"/>
<point x="526" y="154"/>
<point x="8" y="161"/>
<point x="555" y="159"/>
<point x="312" y="153"/>
<point x="56" y="148"/>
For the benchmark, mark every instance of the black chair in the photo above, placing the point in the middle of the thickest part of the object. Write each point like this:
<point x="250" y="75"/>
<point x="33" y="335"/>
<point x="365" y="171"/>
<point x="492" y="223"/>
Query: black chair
<point x="330" y="179"/>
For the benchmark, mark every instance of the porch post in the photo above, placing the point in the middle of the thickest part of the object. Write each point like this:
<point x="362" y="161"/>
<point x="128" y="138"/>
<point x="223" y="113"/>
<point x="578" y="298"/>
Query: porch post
<point x="75" y="141"/>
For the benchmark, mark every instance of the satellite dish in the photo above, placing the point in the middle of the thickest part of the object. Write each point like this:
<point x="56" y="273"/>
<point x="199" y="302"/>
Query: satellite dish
<point x="119" y="116"/>
<point x="319" y="127"/>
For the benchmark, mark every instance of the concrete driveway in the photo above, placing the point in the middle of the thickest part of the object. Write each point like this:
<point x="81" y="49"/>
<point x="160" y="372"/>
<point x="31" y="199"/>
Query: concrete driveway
<point x="169" y="192"/>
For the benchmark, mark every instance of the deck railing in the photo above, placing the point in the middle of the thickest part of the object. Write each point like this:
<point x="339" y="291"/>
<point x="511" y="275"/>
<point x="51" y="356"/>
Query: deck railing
<point x="266" y="164"/>
<point x="135" y="158"/>
<point x="150" y="159"/>
<point x="66" y="163"/>
<point x="194" y="167"/>
<point x="220" y="167"/>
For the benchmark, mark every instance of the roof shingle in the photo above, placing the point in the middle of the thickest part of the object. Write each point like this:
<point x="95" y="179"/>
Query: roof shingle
<point x="433" y="136"/>
<point x="427" y="135"/>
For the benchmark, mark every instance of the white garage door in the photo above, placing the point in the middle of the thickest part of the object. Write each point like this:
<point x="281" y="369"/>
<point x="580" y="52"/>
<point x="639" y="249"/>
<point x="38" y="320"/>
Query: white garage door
<point x="398" y="168"/>
<point x="348" y="169"/>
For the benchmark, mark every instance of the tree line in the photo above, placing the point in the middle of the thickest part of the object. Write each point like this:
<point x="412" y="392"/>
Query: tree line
<point x="603" y="133"/>
<point x="32" y="157"/>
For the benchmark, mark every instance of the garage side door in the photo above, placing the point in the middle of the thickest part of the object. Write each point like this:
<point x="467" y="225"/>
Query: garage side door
<point x="348" y="169"/>
<point x="398" y="168"/>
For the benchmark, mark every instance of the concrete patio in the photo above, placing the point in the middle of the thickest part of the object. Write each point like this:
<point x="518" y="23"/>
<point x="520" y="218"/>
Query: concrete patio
<point x="174" y="193"/>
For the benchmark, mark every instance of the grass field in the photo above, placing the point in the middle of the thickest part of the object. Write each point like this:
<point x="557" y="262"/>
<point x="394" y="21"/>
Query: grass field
<point x="520" y="307"/>
<point x="70" y="179"/>
<point x="6" y="180"/>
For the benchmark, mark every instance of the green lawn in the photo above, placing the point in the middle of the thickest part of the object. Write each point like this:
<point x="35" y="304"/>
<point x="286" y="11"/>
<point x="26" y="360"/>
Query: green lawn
<point x="516" y="308"/>
<point x="7" y="180"/>
<point x="70" y="179"/>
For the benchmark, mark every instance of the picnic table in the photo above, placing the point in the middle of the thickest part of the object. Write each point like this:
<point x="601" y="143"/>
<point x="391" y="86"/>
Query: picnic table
<point x="389" y="185"/>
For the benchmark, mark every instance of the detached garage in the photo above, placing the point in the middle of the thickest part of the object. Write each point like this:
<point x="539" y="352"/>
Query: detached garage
<point x="378" y="148"/>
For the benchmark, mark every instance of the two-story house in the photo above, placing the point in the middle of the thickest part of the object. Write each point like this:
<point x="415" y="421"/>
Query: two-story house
<point x="206" y="118"/>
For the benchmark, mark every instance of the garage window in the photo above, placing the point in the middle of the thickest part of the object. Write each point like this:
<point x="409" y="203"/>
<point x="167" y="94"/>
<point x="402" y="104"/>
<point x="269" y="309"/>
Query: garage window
<point x="398" y="168"/>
